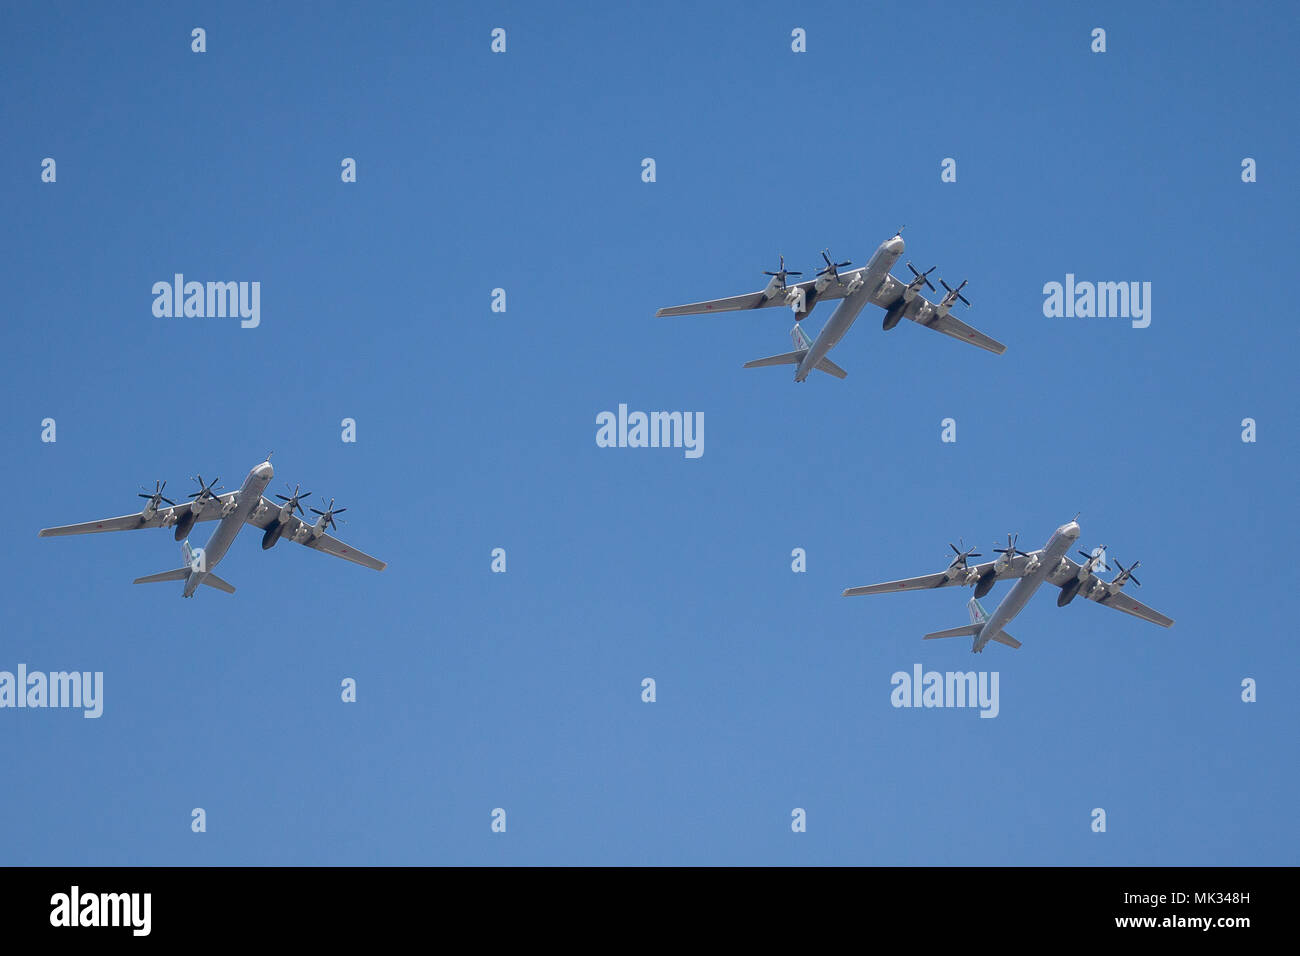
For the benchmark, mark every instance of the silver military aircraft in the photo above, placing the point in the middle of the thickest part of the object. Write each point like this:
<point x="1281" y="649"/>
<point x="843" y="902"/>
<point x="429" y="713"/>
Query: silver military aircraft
<point x="1031" y="569"/>
<point x="233" y="509"/>
<point x="869" y="283"/>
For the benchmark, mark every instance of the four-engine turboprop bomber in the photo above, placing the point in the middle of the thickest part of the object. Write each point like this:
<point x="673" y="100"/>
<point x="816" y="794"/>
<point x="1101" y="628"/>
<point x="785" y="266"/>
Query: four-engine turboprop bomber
<point x="869" y="283"/>
<point x="233" y="510"/>
<point x="1051" y="563"/>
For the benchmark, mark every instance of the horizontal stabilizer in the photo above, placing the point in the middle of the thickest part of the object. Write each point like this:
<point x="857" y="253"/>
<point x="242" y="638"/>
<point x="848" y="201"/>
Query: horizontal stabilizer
<point x="211" y="580"/>
<point x="830" y="368"/>
<point x="966" y="630"/>
<point x="180" y="574"/>
<point x="1007" y="639"/>
<point x="789" y="358"/>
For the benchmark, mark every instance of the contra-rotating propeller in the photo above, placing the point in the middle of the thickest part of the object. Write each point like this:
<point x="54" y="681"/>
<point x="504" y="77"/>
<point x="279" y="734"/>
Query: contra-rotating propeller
<point x="205" y="491"/>
<point x="1126" y="574"/>
<point x="832" y="268"/>
<point x="157" y="495"/>
<point x="962" y="555"/>
<point x="1011" y="550"/>
<point x="1098" y="554"/>
<point x="782" y="272"/>
<point x="954" y="294"/>
<point x="329" y="513"/>
<point x="293" y="499"/>
<point x="922" y="277"/>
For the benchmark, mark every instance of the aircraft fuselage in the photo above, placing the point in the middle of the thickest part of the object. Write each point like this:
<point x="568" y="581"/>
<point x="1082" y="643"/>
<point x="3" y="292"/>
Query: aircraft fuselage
<point x="869" y="278"/>
<point x="246" y="501"/>
<point x="1024" y="588"/>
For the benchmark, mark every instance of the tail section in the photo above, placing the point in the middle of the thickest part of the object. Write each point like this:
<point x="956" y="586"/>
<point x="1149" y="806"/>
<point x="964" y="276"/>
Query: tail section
<point x="193" y="557"/>
<point x="978" y="618"/>
<point x="786" y="358"/>
<point x="830" y="368"/>
<point x="180" y="574"/>
<point x="801" y="346"/>
<point x="966" y="630"/>
<point x="212" y="580"/>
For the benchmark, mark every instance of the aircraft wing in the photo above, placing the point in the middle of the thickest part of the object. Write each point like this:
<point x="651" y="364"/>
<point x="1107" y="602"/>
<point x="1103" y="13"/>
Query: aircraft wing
<point x="1120" y="600"/>
<point x="332" y="545"/>
<point x="752" y="300"/>
<point x="940" y="579"/>
<point x="755" y="300"/>
<point x="162" y="518"/>
<point x="299" y="531"/>
<point x="891" y="291"/>
<point x="906" y="584"/>
<point x="952" y="326"/>
<point x="1130" y="605"/>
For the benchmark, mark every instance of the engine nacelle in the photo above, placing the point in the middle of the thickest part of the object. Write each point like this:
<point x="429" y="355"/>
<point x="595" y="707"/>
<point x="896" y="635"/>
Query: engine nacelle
<point x="229" y="507"/>
<point x="1067" y="594"/>
<point x="184" y="523"/>
<point x="985" y="584"/>
<point x="894" y="316"/>
<point x="272" y="535"/>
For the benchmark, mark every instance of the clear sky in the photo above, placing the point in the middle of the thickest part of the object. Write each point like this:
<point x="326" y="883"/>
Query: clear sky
<point x="476" y="430"/>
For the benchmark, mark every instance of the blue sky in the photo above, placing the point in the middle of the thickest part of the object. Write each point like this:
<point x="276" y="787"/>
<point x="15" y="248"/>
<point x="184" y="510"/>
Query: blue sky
<point x="476" y="430"/>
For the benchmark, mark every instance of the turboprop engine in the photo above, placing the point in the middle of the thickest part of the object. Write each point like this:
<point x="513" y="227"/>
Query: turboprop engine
<point x="831" y="274"/>
<point x="895" y="313"/>
<point x="1083" y="581"/>
<point x="777" y="282"/>
<point x="185" y="521"/>
<point x="958" y="566"/>
<point x="949" y="300"/>
<point x="151" y="505"/>
<point x="326" y="519"/>
<point x="276" y="528"/>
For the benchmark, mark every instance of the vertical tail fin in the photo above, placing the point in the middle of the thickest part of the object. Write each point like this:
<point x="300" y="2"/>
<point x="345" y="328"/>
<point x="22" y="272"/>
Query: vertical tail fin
<point x="187" y="553"/>
<point x="800" y="338"/>
<point x="977" y="613"/>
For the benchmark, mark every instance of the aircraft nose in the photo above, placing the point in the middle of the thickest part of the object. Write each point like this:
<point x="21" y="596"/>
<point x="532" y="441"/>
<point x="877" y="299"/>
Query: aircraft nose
<point x="895" y="246"/>
<point x="264" y="470"/>
<point x="1071" y="529"/>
